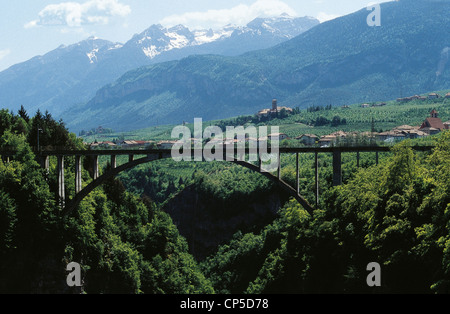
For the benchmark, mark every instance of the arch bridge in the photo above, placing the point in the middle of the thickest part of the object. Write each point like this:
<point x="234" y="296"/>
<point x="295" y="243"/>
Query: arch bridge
<point x="137" y="157"/>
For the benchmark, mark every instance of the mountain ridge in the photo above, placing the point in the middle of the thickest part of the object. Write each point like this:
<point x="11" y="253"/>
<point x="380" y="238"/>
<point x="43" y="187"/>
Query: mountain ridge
<point x="338" y="62"/>
<point x="70" y="75"/>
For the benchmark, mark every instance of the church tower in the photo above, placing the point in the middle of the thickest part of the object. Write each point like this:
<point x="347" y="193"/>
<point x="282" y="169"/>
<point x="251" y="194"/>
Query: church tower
<point x="274" y="105"/>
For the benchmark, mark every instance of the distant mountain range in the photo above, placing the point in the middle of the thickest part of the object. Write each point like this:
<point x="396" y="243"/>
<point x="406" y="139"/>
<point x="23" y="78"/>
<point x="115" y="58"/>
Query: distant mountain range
<point x="342" y="61"/>
<point x="71" y="75"/>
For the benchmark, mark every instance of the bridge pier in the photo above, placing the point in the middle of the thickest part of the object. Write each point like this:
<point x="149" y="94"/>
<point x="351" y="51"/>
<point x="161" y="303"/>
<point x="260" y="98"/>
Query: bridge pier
<point x="96" y="171"/>
<point x="78" y="183"/>
<point x="297" y="174"/>
<point x="61" y="187"/>
<point x="279" y="166"/>
<point x="316" y="168"/>
<point x="337" y="170"/>
<point x="45" y="162"/>
<point x="113" y="161"/>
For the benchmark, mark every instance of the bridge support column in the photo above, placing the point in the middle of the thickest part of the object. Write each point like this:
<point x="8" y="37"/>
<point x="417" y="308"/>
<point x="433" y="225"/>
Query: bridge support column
<point x="337" y="170"/>
<point x="61" y="187"/>
<point x="316" y="168"/>
<point x="96" y="172"/>
<point x="113" y="161"/>
<point x="78" y="184"/>
<point x="259" y="162"/>
<point x="376" y="158"/>
<point x="357" y="159"/>
<point x="297" y="175"/>
<point x="45" y="162"/>
<point x="279" y="166"/>
<point x="130" y="158"/>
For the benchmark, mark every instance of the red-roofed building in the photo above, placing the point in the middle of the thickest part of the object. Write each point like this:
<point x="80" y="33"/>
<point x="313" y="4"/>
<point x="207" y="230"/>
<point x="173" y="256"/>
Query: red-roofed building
<point x="432" y="123"/>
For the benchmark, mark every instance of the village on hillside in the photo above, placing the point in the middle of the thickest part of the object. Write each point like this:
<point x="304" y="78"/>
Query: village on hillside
<point x="417" y="97"/>
<point x="431" y="125"/>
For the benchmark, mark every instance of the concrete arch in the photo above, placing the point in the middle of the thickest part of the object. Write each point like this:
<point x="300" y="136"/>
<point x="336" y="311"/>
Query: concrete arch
<point x="72" y="205"/>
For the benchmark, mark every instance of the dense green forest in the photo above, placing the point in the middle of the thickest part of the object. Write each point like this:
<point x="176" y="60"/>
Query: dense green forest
<point x="395" y="213"/>
<point x="392" y="213"/>
<point x="122" y="242"/>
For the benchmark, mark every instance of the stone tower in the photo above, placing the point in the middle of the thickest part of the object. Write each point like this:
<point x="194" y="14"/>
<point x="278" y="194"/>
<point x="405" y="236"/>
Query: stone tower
<point x="274" y="105"/>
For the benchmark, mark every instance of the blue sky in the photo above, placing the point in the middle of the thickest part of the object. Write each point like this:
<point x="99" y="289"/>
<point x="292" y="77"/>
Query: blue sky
<point x="35" y="27"/>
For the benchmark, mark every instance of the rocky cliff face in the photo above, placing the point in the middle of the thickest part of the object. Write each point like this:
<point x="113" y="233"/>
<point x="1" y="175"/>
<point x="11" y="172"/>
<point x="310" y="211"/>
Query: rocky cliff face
<point x="207" y="223"/>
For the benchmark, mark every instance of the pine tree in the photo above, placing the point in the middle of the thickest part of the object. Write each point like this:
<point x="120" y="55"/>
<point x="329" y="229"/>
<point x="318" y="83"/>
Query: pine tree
<point x="23" y="113"/>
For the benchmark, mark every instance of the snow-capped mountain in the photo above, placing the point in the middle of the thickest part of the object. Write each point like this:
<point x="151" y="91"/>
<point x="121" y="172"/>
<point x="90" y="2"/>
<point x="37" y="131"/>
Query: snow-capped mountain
<point x="71" y="75"/>
<point x="157" y="41"/>
<point x="283" y="26"/>
<point x="100" y="48"/>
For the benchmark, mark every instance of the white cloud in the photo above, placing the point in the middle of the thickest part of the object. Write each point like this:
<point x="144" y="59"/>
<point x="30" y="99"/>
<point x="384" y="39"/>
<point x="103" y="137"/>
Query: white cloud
<point x="239" y="15"/>
<point x="4" y="53"/>
<point x="31" y="24"/>
<point x="74" y="14"/>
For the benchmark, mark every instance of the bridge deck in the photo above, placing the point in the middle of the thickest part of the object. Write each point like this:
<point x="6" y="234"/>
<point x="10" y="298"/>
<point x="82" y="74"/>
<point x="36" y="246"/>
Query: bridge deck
<point x="236" y="155"/>
<point x="110" y="152"/>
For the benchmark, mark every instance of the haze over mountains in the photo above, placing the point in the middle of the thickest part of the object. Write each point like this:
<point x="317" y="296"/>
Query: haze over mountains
<point x="72" y="74"/>
<point x="343" y="61"/>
